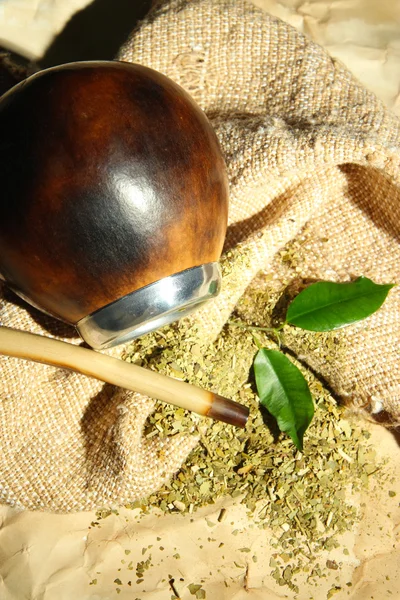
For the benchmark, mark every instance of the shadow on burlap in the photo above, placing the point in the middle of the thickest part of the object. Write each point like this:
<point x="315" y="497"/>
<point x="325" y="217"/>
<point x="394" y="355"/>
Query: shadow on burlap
<point x="312" y="158"/>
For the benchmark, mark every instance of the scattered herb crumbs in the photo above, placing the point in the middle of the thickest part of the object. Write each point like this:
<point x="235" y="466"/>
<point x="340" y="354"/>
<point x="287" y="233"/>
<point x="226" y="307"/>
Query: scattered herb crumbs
<point x="302" y="497"/>
<point x="194" y="588"/>
<point x="311" y="486"/>
<point x="334" y="590"/>
<point x="287" y="574"/>
<point x="143" y="566"/>
<point x="222" y="515"/>
<point x="210" y="523"/>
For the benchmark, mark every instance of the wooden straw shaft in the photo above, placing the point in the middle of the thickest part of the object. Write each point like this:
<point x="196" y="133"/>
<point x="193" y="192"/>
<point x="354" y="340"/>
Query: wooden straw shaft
<point x="46" y="350"/>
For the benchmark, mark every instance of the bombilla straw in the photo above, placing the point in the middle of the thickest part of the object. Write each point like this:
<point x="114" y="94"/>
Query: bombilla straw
<point x="30" y="346"/>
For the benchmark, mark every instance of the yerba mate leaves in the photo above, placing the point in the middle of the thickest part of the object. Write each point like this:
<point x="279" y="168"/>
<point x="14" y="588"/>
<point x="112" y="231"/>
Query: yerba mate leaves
<point x="284" y="392"/>
<point x="326" y="305"/>
<point x="323" y="306"/>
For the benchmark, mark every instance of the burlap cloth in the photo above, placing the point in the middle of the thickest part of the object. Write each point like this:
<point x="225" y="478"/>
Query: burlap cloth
<point x="312" y="157"/>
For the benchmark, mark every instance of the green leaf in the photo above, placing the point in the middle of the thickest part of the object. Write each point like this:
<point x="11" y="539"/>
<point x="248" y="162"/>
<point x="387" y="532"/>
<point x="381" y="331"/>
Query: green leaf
<point x="283" y="390"/>
<point x="325" y="306"/>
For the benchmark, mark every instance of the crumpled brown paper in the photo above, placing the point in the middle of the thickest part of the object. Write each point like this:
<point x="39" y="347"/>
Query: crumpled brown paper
<point x="311" y="155"/>
<point x="28" y="26"/>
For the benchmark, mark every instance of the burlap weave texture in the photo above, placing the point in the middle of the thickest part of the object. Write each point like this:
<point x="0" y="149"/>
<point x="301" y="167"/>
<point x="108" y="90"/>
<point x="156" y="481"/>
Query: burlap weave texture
<point x="312" y="156"/>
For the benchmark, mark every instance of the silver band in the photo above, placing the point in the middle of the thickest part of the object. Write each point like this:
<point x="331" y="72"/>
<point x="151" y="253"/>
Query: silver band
<point x="150" y="307"/>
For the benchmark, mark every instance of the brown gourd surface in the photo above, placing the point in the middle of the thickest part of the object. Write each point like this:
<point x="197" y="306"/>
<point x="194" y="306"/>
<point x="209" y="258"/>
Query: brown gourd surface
<point x="112" y="179"/>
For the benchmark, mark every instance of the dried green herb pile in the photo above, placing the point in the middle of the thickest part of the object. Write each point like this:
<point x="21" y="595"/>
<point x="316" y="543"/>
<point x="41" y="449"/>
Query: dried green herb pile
<point x="302" y="497"/>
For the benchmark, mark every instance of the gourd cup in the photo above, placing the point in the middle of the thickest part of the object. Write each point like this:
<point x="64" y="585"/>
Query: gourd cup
<point x="114" y="201"/>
